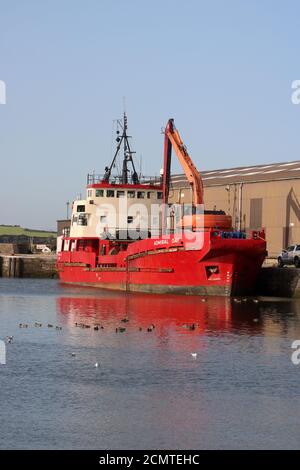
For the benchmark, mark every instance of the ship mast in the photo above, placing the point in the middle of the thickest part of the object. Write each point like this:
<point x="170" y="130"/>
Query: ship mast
<point x="127" y="155"/>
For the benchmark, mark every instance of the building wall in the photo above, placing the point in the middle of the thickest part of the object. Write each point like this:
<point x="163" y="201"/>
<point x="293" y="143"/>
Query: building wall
<point x="62" y="225"/>
<point x="280" y="207"/>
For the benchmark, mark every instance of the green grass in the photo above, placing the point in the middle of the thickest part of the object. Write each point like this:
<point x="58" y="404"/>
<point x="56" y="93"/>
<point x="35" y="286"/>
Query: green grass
<point x="18" y="231"/>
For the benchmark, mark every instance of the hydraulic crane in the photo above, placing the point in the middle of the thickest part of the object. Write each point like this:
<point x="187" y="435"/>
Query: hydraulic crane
<point x="173" y="139"/>
<point x="194" y="221"/>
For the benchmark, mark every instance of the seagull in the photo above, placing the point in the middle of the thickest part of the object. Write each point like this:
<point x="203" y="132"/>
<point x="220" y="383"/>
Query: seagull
<point x="73" y="354"/>
<point x="9" y="339"/>
<point x="96" y="365"/>
<point x="194" y="355"/>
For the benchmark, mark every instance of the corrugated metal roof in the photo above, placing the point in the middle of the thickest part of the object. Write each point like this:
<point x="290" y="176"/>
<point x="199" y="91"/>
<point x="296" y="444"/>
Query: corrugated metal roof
<point x="247" y="174"/>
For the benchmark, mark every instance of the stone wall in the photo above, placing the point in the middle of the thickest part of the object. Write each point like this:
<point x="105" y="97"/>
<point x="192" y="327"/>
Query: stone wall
<point x="13" y="248"/>
<point x="279" y="282"/>
<point x="30" y="266"/>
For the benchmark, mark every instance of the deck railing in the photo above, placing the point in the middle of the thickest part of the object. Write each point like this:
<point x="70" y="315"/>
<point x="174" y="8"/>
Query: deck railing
<point x="93" y="178"/>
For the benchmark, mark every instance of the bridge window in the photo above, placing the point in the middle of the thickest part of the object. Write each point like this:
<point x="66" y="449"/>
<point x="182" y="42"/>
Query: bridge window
<point x="141" y="194"/>
<point x="80" y="208"/>
<point x="110" y="193"/>
<point x="131" y="194"/>
<point x="82" y="219"/>
<point x="159" y="195"/>
<point x="120" y="194"/>
<point x="99" y="192"/>
<point x="129" y="219"/>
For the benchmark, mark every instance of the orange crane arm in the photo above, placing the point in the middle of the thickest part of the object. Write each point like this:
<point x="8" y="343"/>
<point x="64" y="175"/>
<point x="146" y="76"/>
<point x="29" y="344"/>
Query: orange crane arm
<point x="193" y="176"/>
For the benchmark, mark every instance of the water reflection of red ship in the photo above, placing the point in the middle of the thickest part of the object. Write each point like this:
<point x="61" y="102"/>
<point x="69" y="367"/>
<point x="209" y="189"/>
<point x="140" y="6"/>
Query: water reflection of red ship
<point x="165" y="312"/>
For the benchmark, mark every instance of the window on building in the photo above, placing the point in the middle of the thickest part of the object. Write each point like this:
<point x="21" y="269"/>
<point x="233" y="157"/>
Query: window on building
<point x="80" y="208"/>
<point x="82" y="219"/>
<point x="110" y="193"/>
<point x="141" y="194"/>
<point x="129" y="219"/>
<point x="99" y="192"/>
<point x="102" y="218"/>
<point x="120" y="194"/>
<point x="159" y="195"/>
<point x="255" y="213"/>
<point x="149" y="193"/>
<point x="131" y="194"/>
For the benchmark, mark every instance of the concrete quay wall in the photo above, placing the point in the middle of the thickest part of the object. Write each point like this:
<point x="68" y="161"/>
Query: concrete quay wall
<point x="30" y="266"/>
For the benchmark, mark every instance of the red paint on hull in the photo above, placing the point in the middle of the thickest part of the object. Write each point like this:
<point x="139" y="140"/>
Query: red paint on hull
<point x="222" y="266"/>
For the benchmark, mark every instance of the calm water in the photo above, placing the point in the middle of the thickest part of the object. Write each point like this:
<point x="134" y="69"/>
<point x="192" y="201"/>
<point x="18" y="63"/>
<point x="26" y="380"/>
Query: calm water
<point x="242" y="390"/>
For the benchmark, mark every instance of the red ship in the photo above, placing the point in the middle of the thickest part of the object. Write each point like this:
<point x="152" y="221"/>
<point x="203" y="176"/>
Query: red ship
<point x="127" y="236"/>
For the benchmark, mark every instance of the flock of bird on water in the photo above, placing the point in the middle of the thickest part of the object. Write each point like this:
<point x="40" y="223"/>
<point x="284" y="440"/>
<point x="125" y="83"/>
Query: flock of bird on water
<point x="96" y="327"/>
<point x="122" y="329"/>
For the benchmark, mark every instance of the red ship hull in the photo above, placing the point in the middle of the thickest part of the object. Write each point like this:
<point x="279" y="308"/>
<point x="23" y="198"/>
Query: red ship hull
<point x="218" y="266"/>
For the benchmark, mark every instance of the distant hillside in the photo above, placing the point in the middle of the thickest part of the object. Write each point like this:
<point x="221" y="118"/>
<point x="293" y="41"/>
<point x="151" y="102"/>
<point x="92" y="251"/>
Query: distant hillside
<point x="15" y="230"/>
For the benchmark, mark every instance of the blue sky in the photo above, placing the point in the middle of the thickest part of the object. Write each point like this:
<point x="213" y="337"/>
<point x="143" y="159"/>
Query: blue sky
<point x="223" y="70"/>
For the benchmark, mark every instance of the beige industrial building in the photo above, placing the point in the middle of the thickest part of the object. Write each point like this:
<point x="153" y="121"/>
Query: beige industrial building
<point x="258" y="196"/>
